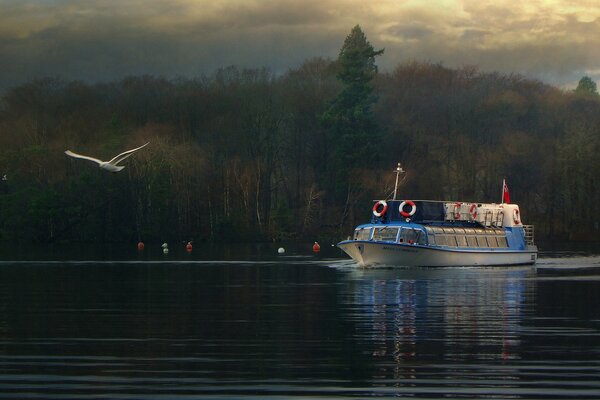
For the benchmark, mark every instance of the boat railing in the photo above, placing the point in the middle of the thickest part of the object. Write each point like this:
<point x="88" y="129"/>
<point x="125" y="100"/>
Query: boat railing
<point x="529" y="234"/>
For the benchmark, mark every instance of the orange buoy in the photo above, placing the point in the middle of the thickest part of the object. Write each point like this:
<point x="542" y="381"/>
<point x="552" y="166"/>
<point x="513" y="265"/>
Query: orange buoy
<point x="316" y="247"/>
<point x="188" y="247"/>
<point x="140" y="245"/>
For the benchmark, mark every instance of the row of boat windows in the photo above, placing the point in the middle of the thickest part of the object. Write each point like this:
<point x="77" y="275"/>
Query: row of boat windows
<point x="440" y="236"/>
<point x="468" y="241"/>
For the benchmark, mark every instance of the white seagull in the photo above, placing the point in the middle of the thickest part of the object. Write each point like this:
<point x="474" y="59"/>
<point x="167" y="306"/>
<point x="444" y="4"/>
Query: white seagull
<point x="110" y="165"/>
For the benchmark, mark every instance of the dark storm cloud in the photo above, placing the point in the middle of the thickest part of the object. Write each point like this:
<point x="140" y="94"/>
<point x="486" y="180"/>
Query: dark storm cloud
<point x="410" y="31"/>
<point x="104" y="40"/>
<point x="181" y="38"/>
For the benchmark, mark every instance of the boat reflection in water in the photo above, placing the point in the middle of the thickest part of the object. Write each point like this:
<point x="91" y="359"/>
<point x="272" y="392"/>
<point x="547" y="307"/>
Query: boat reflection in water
<point x="465" y="316"/>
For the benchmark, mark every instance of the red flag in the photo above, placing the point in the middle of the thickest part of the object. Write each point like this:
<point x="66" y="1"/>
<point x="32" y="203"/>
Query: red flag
<point x="505" y="195"/>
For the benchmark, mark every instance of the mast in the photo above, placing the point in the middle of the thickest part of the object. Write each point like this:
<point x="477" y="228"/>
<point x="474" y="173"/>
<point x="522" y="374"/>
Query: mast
<point x="398" y="171"/>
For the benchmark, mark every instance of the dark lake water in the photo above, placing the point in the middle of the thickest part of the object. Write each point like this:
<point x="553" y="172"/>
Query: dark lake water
<point x="235" y="322"/>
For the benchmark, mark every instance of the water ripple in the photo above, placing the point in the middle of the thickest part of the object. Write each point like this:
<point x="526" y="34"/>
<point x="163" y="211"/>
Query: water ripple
<point x="298" y="327"/>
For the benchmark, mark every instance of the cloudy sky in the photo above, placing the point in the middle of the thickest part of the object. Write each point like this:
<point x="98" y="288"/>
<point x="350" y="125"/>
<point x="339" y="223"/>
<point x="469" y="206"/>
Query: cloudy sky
<point x="556" y="41"/>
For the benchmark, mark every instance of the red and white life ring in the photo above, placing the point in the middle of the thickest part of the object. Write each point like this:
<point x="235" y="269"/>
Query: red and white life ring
<point x="376" y="207"/>
<point x="457" y="210"/>
<point x="473" y="211"/>
<point x="516" y="217"/>
<point x="412" y="211"/>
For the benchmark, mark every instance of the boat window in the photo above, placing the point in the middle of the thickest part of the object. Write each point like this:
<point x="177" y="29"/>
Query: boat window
<point x="481" y="242"/>
<point x="412" y="236"/>
<point x="385" y="234"/>
<point x="362" y="234"/>
<point x="431" y="239"/>
<point x="471" y="241"/>
<point x="420" y="236"/>
<point x="431" y="236"/>
<point x="452" y="241"/>
<point x="441" y="240"/>
<point x="459" y="237"/>
<point x="502" y="241"/>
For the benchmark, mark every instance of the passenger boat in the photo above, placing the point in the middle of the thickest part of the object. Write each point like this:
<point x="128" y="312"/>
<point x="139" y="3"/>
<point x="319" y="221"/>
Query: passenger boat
<point x="442" y="234"/>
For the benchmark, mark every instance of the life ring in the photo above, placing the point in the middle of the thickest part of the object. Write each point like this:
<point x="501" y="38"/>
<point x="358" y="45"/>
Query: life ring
<point x="473" y="211"/>
<point x="457" y="210"/>
<point x="516" y="217"/>
<point x="412" y="211"/>
<point x="381" y="213"/>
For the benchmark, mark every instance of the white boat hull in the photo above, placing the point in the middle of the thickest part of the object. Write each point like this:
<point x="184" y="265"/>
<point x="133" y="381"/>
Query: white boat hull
<point x="374" y="253"/>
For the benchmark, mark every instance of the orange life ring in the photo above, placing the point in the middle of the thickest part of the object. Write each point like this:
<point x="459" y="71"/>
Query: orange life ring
<point x="381" y="213"/>
<point x="516" y="216"/>
<point x="473" y="211"/>
<point x="412" y="211"/>
<point x="457" y="210"/>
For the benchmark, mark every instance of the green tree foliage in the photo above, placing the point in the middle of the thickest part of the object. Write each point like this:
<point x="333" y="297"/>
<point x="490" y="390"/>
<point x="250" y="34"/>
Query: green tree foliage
<point x="352" y="129"/>
<point x="244" y="154"/>
<point x="587" y="86"/>
<point x="352" y="133"/>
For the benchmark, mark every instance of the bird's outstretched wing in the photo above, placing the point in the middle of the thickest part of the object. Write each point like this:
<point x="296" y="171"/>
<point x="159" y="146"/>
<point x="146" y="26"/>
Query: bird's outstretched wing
<point x="70" y="153"/>
<point x="125" y="154"/>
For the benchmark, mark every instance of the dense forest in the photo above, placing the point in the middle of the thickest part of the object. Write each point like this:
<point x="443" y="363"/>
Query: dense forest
<point x="247" y="155"/>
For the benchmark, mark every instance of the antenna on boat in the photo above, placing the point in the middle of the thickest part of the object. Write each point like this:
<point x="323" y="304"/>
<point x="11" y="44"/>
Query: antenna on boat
<point x="398" y="171"/>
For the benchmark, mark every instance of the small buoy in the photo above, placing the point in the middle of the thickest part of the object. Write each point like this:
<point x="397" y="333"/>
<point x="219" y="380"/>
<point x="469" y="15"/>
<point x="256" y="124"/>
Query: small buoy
<point x="281" y="250"/>
<point x="316" y="247"/>
<point x="188" y="247"/>
<point x="140" y="245"/>
<point x="165" y="245"/>
<point x="166" y="250"/>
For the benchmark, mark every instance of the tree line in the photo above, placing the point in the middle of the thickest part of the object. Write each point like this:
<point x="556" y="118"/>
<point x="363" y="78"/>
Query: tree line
<point x="246" y="155"/>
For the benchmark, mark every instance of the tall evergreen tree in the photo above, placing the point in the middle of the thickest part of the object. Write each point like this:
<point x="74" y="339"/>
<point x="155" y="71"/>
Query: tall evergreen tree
<point x="352" y="129"/>
<point x="587" y="86"/>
